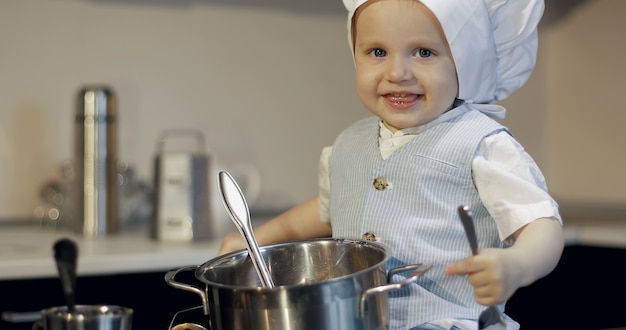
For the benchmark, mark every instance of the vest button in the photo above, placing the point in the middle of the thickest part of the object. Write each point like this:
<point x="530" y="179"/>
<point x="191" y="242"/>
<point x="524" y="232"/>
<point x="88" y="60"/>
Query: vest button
<point x="380" y="183"/>
<point x="369" y="236"/>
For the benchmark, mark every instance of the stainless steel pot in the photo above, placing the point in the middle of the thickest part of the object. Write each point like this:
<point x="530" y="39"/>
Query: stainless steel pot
<point x="320" y="284"/>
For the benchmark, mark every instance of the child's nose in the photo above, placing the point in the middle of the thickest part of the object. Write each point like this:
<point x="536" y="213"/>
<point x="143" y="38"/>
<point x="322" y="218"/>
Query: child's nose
<point x="398" y="70"/>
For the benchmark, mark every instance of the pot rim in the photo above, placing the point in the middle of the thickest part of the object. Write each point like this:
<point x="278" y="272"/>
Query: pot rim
<point x="381" y="246"/>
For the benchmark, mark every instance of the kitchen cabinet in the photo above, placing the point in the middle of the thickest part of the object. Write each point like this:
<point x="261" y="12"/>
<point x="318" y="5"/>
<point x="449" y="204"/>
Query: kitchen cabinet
<point x="154" y="302"/>
<point x="586" y="291"/>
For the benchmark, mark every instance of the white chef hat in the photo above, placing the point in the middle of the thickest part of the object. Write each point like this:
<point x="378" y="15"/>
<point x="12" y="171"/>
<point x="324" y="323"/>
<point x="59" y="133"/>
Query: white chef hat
<point x="493" y="43"/>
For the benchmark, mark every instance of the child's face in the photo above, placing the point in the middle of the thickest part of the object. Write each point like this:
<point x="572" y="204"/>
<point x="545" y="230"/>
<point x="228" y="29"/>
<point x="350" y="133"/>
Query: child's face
<point x="405" y="73"/>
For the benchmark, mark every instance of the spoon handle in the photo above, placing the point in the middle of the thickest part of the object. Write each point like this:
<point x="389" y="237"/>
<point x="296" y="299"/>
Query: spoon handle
<point x="65" y="256"/>
<point x="490" y="318"/>
<point x="468" y="225"/>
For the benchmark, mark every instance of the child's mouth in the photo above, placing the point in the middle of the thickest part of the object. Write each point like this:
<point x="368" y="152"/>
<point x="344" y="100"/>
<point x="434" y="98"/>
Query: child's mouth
<point x="402" y="100"/>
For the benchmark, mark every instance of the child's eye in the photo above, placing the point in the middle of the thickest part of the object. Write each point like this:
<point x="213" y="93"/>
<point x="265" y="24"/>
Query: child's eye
<point x="424" y="52"/>
<point x="379" y="52"/>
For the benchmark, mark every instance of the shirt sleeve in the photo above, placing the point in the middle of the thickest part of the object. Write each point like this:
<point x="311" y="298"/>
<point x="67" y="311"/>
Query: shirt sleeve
<point x="510" y="184"/>
<point x="324" y="184"/>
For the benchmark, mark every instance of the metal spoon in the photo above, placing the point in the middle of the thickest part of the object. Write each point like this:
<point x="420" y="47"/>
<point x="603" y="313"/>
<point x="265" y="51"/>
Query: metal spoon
<point x="237" y="208"/>
<point x="65" y="256"/>
<point x="490" y="318"/>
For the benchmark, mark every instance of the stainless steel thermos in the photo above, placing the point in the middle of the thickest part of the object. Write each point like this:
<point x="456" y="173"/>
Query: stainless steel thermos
<point x="95" y="161"/>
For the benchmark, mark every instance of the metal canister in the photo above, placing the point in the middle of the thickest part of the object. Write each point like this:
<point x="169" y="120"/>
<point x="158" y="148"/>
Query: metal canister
<point x="95" y="161"/>
<point x="182" y="209"/>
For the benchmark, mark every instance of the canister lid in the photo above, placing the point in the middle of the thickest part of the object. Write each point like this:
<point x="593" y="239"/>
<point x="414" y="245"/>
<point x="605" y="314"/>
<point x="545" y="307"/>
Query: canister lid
<point x="177" y="140"/>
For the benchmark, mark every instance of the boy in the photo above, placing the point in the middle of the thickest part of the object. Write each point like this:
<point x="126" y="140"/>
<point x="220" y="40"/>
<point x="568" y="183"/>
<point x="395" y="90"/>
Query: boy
<point x="429" y="71"/>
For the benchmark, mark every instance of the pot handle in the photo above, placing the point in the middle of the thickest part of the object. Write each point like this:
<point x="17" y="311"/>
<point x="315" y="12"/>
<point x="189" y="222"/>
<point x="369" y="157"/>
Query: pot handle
<point x="418" y="270"/>
<point x="169" y="278"/>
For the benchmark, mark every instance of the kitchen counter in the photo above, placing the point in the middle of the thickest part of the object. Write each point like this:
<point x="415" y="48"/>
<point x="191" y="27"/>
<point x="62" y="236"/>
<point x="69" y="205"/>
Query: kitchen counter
<point x="606" y="234"/>
<point x="26" y="251"/>
<point x="602" y="226"/>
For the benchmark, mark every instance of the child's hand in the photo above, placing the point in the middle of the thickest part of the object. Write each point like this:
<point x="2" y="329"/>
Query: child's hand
<point x="491" y="275"/>
<point x="496" y="274"/>
<point x="231" y="242"/>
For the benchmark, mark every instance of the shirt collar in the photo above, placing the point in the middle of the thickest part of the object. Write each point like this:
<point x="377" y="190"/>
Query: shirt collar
<point x="385" y="133"/>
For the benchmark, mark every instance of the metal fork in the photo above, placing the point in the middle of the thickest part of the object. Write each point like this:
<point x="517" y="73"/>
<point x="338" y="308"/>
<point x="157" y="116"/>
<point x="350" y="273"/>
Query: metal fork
<point x="490" y="318"/>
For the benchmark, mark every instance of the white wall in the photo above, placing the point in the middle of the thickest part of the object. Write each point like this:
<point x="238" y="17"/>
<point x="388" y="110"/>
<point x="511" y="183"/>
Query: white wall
<point x="267" y="87"/>
<point x="578" y="135"/>
<point x="270" y="86"/>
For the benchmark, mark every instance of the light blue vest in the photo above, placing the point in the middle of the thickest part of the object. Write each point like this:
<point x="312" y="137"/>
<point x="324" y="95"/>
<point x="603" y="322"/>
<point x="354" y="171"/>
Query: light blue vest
<point x="416" y="215"/>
